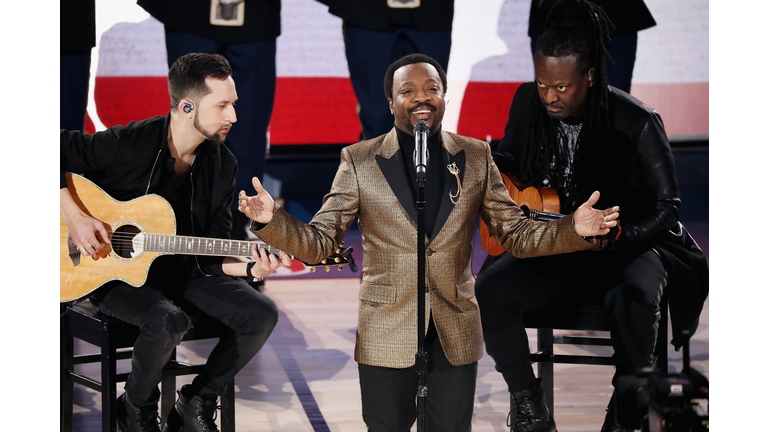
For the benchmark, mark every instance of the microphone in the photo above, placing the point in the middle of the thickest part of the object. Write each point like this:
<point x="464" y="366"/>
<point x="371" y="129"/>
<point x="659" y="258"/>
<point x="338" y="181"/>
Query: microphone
<point x="421" y="154"/>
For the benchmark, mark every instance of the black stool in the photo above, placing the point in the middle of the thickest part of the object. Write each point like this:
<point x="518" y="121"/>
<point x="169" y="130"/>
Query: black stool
<point x="83" y="321"/>
<point x="565" y="315"/>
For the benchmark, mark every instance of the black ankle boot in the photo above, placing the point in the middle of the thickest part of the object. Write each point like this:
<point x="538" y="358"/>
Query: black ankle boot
<point x="529" y="412"/>
<point x="135" y="419"/>
<point x="192" y="413"/>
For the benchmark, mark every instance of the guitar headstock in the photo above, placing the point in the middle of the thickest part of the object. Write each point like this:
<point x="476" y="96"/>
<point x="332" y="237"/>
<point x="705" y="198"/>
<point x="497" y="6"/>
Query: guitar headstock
<point x="341" y="256"/>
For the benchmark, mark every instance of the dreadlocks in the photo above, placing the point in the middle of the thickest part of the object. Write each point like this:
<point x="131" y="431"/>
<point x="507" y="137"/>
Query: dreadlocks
<point x="573" y="28"/>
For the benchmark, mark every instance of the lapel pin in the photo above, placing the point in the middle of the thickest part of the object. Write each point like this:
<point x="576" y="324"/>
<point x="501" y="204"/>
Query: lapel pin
<point x="453" y="169"/>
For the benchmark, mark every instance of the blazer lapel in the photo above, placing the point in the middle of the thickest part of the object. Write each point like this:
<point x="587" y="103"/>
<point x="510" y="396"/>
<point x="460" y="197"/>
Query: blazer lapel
<point x="453" y="154"/>
<point x="392" y="166"/>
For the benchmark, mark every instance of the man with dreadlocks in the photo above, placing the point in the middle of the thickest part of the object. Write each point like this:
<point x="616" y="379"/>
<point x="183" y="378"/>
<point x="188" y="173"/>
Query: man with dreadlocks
<point x="570" y="131"/>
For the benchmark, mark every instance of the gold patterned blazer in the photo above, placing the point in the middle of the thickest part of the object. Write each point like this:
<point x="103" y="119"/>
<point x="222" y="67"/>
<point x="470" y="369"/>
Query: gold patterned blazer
<point x="370" y="185"/>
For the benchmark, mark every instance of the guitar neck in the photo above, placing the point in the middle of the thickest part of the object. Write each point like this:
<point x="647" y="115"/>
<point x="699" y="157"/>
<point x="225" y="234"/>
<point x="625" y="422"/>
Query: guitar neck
<point x="185" y="245"/>
<point x="544" y="216"/>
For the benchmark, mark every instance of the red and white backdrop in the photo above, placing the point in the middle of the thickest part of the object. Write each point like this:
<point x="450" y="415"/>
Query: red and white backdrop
<point x="314" y="101"/>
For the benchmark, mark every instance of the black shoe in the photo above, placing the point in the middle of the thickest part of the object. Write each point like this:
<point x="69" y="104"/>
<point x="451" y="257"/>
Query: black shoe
<point x="192" y="414"/>
<point x="529" y="412"/>
<point x="134" y="419"/>
<point x="611" y="424"/>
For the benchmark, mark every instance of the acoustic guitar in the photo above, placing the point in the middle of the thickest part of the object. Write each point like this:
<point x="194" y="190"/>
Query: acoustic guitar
<point x="141" y="230"/>
<point x="538" y="203"/>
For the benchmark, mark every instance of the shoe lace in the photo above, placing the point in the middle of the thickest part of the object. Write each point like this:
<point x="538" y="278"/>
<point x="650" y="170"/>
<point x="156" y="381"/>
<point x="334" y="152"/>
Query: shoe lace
<point x="148" y="421"/>
<point x="525" y="409"/>
<point x="525" y="418"/>
<point x="207" y="417"/>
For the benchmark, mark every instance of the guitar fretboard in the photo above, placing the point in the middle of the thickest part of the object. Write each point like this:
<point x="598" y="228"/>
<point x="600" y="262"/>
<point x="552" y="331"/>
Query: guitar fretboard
<point x="185" y="245"/>
<point x="544" y="216"/>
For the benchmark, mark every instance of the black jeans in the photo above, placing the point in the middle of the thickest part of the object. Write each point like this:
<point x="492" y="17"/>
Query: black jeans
<point x="628" y="283"/>
<point x="250" y="315"/>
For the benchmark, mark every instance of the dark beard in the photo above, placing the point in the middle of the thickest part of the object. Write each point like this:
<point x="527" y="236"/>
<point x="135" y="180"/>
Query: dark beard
<point x="214" y="138"/>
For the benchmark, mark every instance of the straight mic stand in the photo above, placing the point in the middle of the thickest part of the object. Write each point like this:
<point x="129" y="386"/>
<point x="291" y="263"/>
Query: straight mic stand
<point x="421" y="354"/>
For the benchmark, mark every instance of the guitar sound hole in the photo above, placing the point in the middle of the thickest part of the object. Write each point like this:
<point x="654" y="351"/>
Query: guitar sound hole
<point x="122" y="241"/>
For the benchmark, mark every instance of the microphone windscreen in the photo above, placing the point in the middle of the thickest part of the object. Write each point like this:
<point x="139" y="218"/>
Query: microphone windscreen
<point x="420" y="126"/>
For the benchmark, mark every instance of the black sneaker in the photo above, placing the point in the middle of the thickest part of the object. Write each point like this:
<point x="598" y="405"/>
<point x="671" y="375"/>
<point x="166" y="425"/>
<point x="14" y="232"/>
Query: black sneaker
<point x="135" y="419"/>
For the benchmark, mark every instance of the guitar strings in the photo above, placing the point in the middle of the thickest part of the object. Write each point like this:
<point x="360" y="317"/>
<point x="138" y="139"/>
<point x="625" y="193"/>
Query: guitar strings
<point x="121" y="239"/>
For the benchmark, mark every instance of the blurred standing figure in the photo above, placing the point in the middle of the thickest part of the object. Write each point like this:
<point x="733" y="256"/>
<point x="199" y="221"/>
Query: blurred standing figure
<point x="628" y="17"/>
<point x="379" y="32"/>
<point x="78" y="37"/>
<point x="248" y="41"/>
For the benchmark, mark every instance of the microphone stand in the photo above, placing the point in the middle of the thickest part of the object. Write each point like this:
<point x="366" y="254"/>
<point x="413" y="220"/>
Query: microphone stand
<point x="421" y="354"/>
<point x="421" y="161"/>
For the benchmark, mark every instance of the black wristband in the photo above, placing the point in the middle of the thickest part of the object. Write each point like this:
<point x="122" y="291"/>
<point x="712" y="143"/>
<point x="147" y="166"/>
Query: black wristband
<point x="248" y="268"/>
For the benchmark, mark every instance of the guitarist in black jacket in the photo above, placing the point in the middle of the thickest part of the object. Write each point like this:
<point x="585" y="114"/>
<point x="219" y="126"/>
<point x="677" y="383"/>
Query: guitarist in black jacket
<point x="182" y="158"/>
<point x="570" y="131"/>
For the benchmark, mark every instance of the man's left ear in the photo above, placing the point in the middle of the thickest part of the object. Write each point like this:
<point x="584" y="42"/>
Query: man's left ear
<point x="591" y="72"/>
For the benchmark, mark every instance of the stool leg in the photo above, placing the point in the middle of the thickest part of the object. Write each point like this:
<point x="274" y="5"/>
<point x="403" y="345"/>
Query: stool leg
<point x="228" y="408"/>
<point x="662" y="339"/>
<point x="67" y="353"/>
<point x="168" y="392"/>
<point x="108" y="384"/>
<point x="545" y="341"/>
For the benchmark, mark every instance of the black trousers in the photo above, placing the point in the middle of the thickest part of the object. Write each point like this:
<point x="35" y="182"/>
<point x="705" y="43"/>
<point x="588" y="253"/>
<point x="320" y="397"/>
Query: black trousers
<point x="628" y="283"/>
<point x="250" y="315"/>
<point x="389" y="395"/>
<point x="74" y="74"/>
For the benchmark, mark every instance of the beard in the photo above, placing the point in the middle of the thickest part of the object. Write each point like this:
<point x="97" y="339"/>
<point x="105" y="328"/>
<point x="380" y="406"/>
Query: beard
<point x="214" y="137"/>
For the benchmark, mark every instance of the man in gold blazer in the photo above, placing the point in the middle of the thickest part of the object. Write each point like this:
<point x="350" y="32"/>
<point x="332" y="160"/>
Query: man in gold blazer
<point x="376" y="184"/>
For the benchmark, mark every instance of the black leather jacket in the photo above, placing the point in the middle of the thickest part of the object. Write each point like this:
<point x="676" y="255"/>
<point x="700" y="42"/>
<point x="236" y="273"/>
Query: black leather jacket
<point x="630" y="163"/>
<point x="125" y="161"/>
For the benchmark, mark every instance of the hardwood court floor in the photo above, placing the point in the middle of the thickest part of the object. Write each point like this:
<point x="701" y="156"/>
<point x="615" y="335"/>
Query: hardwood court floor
<point x="305" y="378"/>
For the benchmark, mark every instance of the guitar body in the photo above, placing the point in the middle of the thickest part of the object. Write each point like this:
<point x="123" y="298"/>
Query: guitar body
<point x="140" y="230"/>
<point x="150" y="213"/>
<point x="528" y="198"/>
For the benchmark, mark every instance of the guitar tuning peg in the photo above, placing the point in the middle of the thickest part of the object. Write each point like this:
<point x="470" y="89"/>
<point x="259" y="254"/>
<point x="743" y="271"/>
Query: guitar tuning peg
<point x="324" y="261"/>
<point x="327" y="269"/>
<point x="341" y="243"/>
<point x="337" y="260"/>
<point x="338" y="251"/>
<point x="340" y="267"/>
<point x="312" y="269"/>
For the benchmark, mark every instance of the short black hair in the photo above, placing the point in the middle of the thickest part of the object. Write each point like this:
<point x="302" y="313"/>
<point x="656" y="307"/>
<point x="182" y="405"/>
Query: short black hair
<point x="407" y="60"/>
<point x="186" y="77"/>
